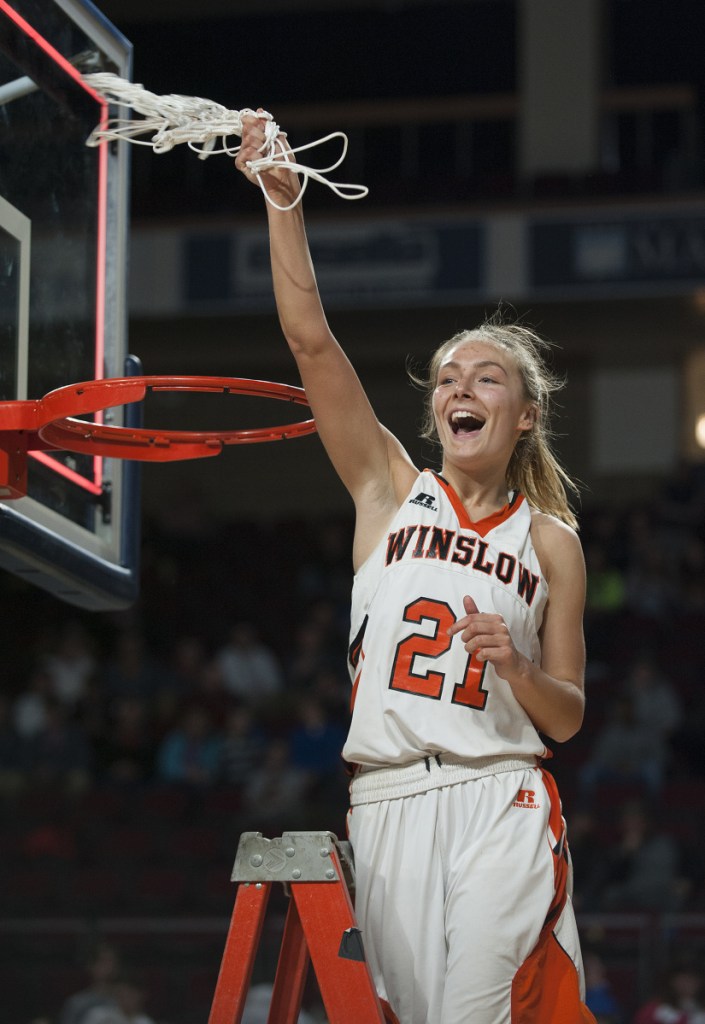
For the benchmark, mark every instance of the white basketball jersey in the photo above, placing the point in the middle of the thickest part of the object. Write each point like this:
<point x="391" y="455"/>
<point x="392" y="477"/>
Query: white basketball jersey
<point x="416" y="691"/>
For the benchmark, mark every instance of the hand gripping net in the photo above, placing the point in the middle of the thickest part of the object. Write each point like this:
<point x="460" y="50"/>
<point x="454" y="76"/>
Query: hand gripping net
<point x="173" y="119"/>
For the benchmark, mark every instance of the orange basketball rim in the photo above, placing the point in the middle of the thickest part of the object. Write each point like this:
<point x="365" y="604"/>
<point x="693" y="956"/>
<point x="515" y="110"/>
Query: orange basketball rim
<point x="49" y="423"/>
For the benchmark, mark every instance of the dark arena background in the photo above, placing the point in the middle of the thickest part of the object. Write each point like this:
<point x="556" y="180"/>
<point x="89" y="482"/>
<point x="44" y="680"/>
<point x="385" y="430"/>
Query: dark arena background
<point x="544" y="155"/>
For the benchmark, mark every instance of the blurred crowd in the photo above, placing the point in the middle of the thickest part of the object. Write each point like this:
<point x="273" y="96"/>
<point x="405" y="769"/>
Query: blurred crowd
<point x="229" y="676"/>
<point x="175" y="691"/>
<point x="197" y="720"/>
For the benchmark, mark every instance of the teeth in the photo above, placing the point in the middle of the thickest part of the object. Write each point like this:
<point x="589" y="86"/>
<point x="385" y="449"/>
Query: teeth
<point x="461" y="416"/>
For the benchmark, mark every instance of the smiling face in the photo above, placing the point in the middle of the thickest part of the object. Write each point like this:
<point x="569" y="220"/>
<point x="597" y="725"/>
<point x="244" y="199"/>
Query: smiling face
<point x="507" y="404"/>
<point x="480" y="405"/>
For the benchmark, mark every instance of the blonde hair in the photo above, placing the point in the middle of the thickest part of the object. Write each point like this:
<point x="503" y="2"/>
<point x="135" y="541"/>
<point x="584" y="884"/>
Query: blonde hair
<point x="533" y="468"/>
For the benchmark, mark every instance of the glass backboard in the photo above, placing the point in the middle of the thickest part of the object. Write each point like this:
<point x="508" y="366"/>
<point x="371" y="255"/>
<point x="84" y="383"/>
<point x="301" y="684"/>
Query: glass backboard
<point x="63" y="244"/>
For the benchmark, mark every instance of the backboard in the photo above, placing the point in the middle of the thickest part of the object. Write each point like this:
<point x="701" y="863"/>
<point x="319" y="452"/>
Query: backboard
<point x="63" y="242"/>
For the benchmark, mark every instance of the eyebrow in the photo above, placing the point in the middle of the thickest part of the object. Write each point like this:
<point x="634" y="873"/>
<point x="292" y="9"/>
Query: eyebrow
<point x="477" y="366"/>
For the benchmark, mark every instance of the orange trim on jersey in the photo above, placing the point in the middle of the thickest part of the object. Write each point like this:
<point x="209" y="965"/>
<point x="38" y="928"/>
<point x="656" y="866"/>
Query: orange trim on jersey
<point x="389" y="1015"/>
<point x="546" y="988"/>
<point x="483" y="527"/>
<point x="555" y="818"/>
<point x="356" y="681"/>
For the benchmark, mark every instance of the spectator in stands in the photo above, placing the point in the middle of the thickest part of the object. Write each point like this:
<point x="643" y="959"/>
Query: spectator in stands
<point x="679" y="1000"/>
<point x="606" y="588"/>
<point x="587" y="852"/>
<point x="60" y="754"/>
<point x="334" y="624"/>
<point x="652" y="590"/>
<point x="642" y="871"/>
<point x="325" y="575"/>
<point x="624" y="751"/>
<point x="131" y="670"/>
<point x="190" y="752"/>
<point x="331" y="686"/>
<point x="316" y="743"/>
<point x="188" y="656"/>
<point x="250" y="669"/>
<point x="275" y="793"/>
<point x="654" y="698"/>
<point x="125" y="749"/>
<point x="29" y="706"/>
<point x="186" y="661"/>
<point x="257" y="1006"/>
<point x="242" y="747"/>
<point x="103" y="967"/>
<point x="71" y="663"/>
<point x="210" y="691"/>
<point x="311" y="652"/>
<point x="605" y="599"/>
<point x="129" y="996"/>
<point x="599" y="995"/>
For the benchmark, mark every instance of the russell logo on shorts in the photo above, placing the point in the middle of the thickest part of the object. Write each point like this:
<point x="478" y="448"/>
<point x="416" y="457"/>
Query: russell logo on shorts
<point x="527" y="798"/>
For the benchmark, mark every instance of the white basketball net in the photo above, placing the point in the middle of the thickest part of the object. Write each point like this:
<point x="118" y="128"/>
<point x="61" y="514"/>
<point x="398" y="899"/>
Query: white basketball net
<point x="171" y="120"/>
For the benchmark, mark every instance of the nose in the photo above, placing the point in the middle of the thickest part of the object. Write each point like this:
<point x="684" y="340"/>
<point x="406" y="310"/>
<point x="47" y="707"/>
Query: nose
<point x="463" y="387"/>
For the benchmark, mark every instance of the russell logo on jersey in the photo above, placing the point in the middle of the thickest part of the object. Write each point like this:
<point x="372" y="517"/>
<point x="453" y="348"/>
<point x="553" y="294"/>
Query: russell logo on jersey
<point x="425" y="501"/>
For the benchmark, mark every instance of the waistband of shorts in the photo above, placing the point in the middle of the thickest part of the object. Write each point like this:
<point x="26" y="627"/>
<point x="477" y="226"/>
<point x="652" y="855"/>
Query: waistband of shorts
<point x="371" y="785"/>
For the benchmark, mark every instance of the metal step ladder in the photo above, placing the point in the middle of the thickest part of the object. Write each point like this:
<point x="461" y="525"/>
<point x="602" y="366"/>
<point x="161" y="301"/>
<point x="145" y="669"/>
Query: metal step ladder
<point x="317" y="872"/>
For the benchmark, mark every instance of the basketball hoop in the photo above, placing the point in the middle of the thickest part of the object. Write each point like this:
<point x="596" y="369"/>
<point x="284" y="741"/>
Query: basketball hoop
<point x="50" y="423"/>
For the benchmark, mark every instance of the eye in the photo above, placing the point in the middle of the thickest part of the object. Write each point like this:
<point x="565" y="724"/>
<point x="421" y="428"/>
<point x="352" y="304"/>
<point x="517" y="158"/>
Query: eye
<point x="487" y="380"/>
<point x="446" y="380"/>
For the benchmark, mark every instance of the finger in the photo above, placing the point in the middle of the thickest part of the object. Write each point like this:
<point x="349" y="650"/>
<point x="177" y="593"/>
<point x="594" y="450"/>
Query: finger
<point x="473" y="624"/>
<point x="252" y="141"/>
<point x="470" y="631"/>
<point x="458" y="626"/>
<point x="251" y="125"/>
<point x="473" y="638"/>
<point x="241" y="161"/>
<point x="463" y="623"/>
<point x="486" y="653"/>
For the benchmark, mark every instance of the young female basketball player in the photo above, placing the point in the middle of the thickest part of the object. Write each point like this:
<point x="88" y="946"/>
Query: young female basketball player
<point x="466" y="647"/>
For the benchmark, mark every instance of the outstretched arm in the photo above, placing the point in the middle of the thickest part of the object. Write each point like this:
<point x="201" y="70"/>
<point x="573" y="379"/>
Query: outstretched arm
<point x="369" y="460"/>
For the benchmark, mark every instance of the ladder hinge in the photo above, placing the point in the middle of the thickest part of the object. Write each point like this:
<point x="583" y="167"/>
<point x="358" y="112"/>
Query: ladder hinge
<point x="292" y="857"/>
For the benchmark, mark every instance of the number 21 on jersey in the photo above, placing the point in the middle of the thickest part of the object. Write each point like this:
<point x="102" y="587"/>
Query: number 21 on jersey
<point x="469" y="692"/>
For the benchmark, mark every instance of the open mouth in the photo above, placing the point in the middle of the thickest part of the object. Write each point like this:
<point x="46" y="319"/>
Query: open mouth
<point x="463" y="422"/>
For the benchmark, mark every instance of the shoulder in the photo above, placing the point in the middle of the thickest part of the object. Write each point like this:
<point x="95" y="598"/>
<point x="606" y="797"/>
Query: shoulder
<point x="557" y="546"/>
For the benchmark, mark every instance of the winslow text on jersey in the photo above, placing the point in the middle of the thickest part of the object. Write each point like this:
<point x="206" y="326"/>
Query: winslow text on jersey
<point x="463" y="549"/>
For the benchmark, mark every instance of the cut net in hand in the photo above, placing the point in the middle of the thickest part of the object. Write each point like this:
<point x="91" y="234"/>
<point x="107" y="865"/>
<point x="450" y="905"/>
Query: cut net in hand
<point x="205" y="127"/>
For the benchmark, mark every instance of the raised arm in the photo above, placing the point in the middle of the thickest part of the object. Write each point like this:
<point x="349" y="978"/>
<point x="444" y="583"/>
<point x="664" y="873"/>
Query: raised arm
<point x="369" y="460"/>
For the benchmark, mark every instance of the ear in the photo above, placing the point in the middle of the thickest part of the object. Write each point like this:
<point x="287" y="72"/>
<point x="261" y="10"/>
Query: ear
<point x="528" y="418"/>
